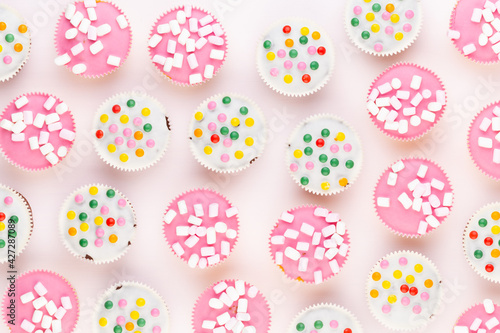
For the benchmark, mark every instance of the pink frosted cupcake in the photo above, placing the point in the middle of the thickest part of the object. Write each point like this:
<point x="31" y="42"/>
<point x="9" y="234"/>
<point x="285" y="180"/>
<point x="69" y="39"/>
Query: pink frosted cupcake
<point x="44" y="302"/>
<point x="413" y="197"/>
<point x="93" y="38"/>
<point x="36" y="131"/>
<point x="475" y="30"/>
<point x="481" y="318"/>
<point x="484" y="140"/>
<point x="232" y="305"/>
<point x="201" y="227"/>
<point x="310" y="244"/>
<point x="188" y="45"/>
<point x="406" y="101"/>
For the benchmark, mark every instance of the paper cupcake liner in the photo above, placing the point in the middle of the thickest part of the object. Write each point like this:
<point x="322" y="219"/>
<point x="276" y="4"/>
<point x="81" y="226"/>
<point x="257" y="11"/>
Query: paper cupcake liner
<point x="263" y="135"/>
<point x="325" y="261"/>
<point x="96" y="143"/>
<point x="6" y="299"/>
<point x="383" y="54"/>
<point x="62" y="233"/>
<point x="4" y="79"/>
<point x="164" y="75"/>
<point x="357" y="323"/>
<point x="20" y="249"/>
<point x="380" y="125"/>
<point x="22" y="167"/>
<point x="109" y="291"/>
<point x="387" y="324"/>
<point x="399" y="233"/>
<point x="360" y="161"/>
<point x="331" y="55"/>
<point x="170" y="243"/>
<point x="209" y="289"/>
<point x="61" y="52"/>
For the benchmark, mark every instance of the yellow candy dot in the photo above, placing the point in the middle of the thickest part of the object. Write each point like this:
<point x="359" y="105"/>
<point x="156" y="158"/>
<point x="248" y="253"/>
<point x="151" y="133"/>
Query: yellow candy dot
<point x="399" y="36"/>
<point x="368" y="1"/>
<point x="134" y="315"/>
<point x="325" y="186"/>
<point x="392" y="299"/>
<point x="270" y="56"/>
<point x="235" y="122"/>
<point x="495" y="253"/>
<point x="394" y="18"/>
<point x="198" y="133"/>
<point x="386" y="284"/>
<point x="495" y="216"/>
<point x="374" y="293"/>
<point x="113" y="238"/>
<point x="129" y="326"/>
<point x="495" y="230"/>
<point x="124" y="157"/>
<point x="238" y="154"/>
<point x="3" y="26"/>
<point x="289" y="42"/>
<point x="139" y="152"/>
<point x="410" y="279"/>
<point x="375" y="28"/>
<point x="428" y="283"/>
<point x="316" y="35"/>
<point x="297" y="153"/>
<point x="397" y="274"/>
<point x="249" y="142"/>
<point x="84" y="227"/>
<point x="93" y="190"/>
<point x="72" y="231"/>
<point x="104" y="118"/>
<point x="98" y="220"/>
<point x="18" y="47"/>
<point x="1" y="48"/>
<point x="111" y="148"/>
<point x="376" y="276"/>
<point x="198" y="116"/>
<point x="124" y="119"/>
<point x="340" y="136"/>
<point x="2" y="226"/>
<point x="390" y="7"/>
<point x="22" y="28"/>
<point x="249" y="122"/>
<point x="103" y="322"/>
<point x="288" y="79"/>
<point x="419" y="268"/>
<point x="208" y="150"/>
<point x="370" y="17"/>
<point x="140" y="302"/>
<point x="304" y="31"/>
<point x="343" y="182"/>
<point x="71" y="215"/>
<point x="146" y="112"/>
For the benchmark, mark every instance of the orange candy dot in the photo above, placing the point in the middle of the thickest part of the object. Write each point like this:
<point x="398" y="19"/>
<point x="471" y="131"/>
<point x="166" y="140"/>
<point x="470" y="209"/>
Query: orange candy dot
<point x="3" y="26"/>
<point x="428" y="283"/>
<point x="390" y="7"/>
<point x="376" y="276"/>
<point x="22" y="28"/>
<point x="72" y="231"/>
<point x="198" y="132"/>
<point x="113" y="238"/>
<point x="18" y="47"/>
<point x="289" y="42"/>
<point x="129" y="326"/>
<point x="139" y="152"/>
<point x="138" y="135"/>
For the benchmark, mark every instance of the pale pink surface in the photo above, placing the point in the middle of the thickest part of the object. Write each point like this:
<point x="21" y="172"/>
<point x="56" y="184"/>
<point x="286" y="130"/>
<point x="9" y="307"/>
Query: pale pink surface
<point x="477" y="311"/>
<point x="258" y="309"/>
<point x="405" y="73"/>
<point x="181" y="75"/>
<point x="116" y="43"/>
<point x="56" y="286"/>
<point x="483" y="157"/>
<point x="470" y="31"/>
<point x="204" y="197"/>
<point x="20" y="153"/>
<point x="396" y="217"/>
<point x="301" y="215"/>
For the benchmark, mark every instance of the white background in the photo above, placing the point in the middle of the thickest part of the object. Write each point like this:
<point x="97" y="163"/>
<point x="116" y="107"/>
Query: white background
<point x="263" y="191"/>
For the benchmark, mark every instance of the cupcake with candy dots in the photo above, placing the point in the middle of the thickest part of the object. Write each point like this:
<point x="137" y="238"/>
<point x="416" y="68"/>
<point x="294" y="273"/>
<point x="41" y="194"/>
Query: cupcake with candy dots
<point x="383" y="27"/>
<point x="483" y="317"/>
<point x="325" y="317"/>
<point x="97" y="223"/>
<point x="15" y="42"/>
<point x="295" y="57"/>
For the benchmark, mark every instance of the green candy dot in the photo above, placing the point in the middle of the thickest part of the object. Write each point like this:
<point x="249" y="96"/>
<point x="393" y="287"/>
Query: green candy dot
<point x="293" y="53"/>
<point x="314" y="65"/>
<point x="376" y="8"/>
<point x="93" y="203"/>
<point x="83" y="217"/>
<point x="12" y="233"/>
<point x="318" y="324"/>
<point x="130" y="103"/>
<point x="300" y="327"/>
<point x="117" y="329"/>
<point x="9" y="38"/>
<point x="14" y="219"/>
<point x="325" y="133"/>
<point x="303" y="40"/>
<point x="226" y="100"/>
<point x="323" y="158"/>
<point x="148" y="127"/>
<point x="108" y="305"/>
<point x="334" y="162"/>
<point x="234" y="135"/>
<point x="84" y="242"/>
<point x="354" y="22"/>
<point x="304" y="181"/>
<point x="244" y="110"/>
<point x="110" y="193"/>
<point x="267" y="44"/>
<point x="224" y="130"/>
<point x="308" y="151"/>
<point x="307" y="138"/>
<point x="478" y="254"/>
<point x="141" y="322"/>
<point x="365" y="35"/>
<point x="2" y="243"/>
<point x="325" y="171"/>
<point x="483" y="223"/>
<point x="349" y="164"/>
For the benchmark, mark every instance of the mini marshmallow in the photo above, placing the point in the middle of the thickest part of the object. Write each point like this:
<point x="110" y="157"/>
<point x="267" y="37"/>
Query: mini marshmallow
<point x="398" y="166"/>
<point x="495" y="38"/>
<point x="195" y="220"/>
<point x="373" y="95"/>
<point x="491" y="323"/>
<point x="392" y="179"/>
<point x="192" y="61"/>
<point x="67" y="135"/>
<point x="122" y="22"/>
<point x="427" y="94"/>
<point x="113" y="60"/>
<point x="193" y="260"/>
<point x="415" y="121"/>
<point x="27" y="326"/>
<point x="447" y="199"/>
<point x="159" y="59"/>
<point x="437" y="184"/>
<point x="207" y="251"/>
<point x="433" y="222"/>
<point x="434" y="201"/>
<point x="442" y="211"/>
<point x="79" y="69"/>
<point x="215" y="40"/>
<point x="416" y="100"/>
<point x="278" y="240"/>
<point x="396" y="83"/>
<point x="231" y="211"/>
<point x="28" y="117"/>
<point x="303" y="262"/>
<point x="416" y="82"/>
<point x="6" y="124"/>
<point x="195" y="78"/>
<point x="488" y="15"/>
<point x="71" y="33"/>
<point x="292" y="253"/>
<point x="469" y="49"/>
<point x="56" y="326"/>
<point x="496" y="22"/>
<point x="476" y="15"/>
<point x="70" y="11"/>
<point x="62" y="59"/>
<point x="28" y="297"/>
<point x="383" y="101"/>
<point x="208" y="324"/>
<point x="318" y="277"/>
<point x="485" y="142"/>
<point x="422" y="228"/>
<point x="384" y="88"/>
<point x="231" y="233"/>
<point x="84" y="26"/>
<point x="302" y="246"/>
<point x="20" y="137"/>
<point x="163" y="29"/>
<point x="92" y="14"/>
<point x="76" y="19"/>
<point x="169" y="63"/>
<point x="175" y="28"/>
<point x="395" y="103"/>
<point x="291" y="233"/>
<point x="489" y="306"/>
<point x="482" y="40"/>
<point x="405" y="200"/>
<point x="51" y="308"/>
<point x="382" y="114"/>
<point x="334" y="266"/>
<point x="18" y="127"/>
<point x="103" y="30"/>
<point x="17" y="116"/>
<point x="496" y="156"/>
<point x="204" y="31"/>
<point x="43" y="138"/>
<point x="62" y="151"/>
<point x="428" y="116"/>
<point x="422" y="171"/>
<point x="178" y="59"/>
<point x="426" y="208"/>
<point x="39" y="302"/>
<point x="169" y="216"/>
<point x="372" y="108"/>
<point x="403" y="94"/>
<point x="211" y="236"/>
<point x="217" y="29"/>
<point x="485" y="124"/>
<point x="52" y="118"/>
<point x="40" y="289"/>
<point x="191" y="241"/>
<point x="307" y="229"/>
<point x="66" y="303"/>
<point x="182" y="230"/>
<point x="37" y="316"/>
<point x="391" y="117"/>
<point x="55" y="127"/>
<point x="223" y="318"/>
<point x="154" y="40"/>
<point x="495" y="124"/>
<point x="183" y="37"/>
<point x="403" y="126"/>
<point x="316" y="239"/>
<point x="475" y="324"/>
<point x="22" y="101"/>
<point x="46" y="149"/>
<point x="453" y="34"/>
<point x="434" y="107"/>
<point x="217" y="54"/>
<point x="383" y="202"/>
<point x="181" y="17"/>
<point x="200" y="43"/>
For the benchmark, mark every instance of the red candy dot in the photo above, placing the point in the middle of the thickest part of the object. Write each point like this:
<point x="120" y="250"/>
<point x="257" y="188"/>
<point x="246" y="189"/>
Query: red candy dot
<point x="306" y="78"/>
<point x="488" y="241"/>
<point x="321" y="50"/>
<point x="215" y="138"/>
<point x="347" y="330"/>
<point x="404" y="288"/>
<point x="116" y="109"/>
<point x="110" y="222"/>
<point x="473" y="235"/>
<point x="2" y="216"/>
<point x="287" y="29"/>
<point x="489" y="268"/>
<point x="413" y="291"/>
<point x="99" y="134"/>
<point x="320" y="143"/>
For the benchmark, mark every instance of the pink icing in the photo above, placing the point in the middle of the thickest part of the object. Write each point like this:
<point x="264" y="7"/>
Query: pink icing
<point x="20" y="153"/>
<point x="116" y="43"/>
<point x="396" y="217"/>
<point x="181" y="75"/>
<point x="478" y="311"/>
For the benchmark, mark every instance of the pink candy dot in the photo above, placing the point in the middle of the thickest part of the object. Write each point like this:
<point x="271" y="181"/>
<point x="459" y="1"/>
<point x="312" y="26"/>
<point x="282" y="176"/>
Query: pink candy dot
<point x="281" y="53"/>
<point x="301" y="66"/>
<point x="314" y="331"/>
<point x="224" y="158"/>
<point x="294" y="167"/>
<point x="405" y="301"/>
<point x="212" y="105"/>
<point x="8" y="200"/>
<point x="137" y="121"/>
<point x="227" y="142"/>
<point x="409" y="14"/>
<point x="222" y="117"/>
<point x="7" y="60"/>
<point x="274" y="72"/>
<point x="407" y="27"/>
<point x="122" y="303"/>
<point x="98" y="242"/>
<point x="378" y="47"/>
<point x="156" y="329"/>
<point x="389" y="30"/>
<point x="347" y="147"/>
<point x="311" y="50"/>
<point x="334" y="324"/>
<point x="417" y="309"/>
<point x="150" y="143"/>
<point x="99" y="232"/>
<point x="78" y="198"/>
<point x="127" y="132"/>
<point x="386" y="309"/>
<point x="121" y="320"/>
<point x="119" y="140"/>
<point x="122" y="203"/>
<point x="309" y="165"/>
<point x="113" y="128"/>
<point x="288" y="64"/>
<point x="334" y="148"/>
<point x="104" y="210"/>
<point x="386" y="16"/>
<point x="120" y="221"/>
<point x="384" y="264"/>
<point x="358" y="10"/>
<point x="403" y="261"/>
<point x="424" y="296"/>
<point x="212" y="126"/>
<point x="131" y="143"/>
<point x="155" y="312"/>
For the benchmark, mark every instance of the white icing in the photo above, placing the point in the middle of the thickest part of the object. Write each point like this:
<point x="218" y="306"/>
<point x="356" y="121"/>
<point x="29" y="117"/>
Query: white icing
<point x="326" y="313"/>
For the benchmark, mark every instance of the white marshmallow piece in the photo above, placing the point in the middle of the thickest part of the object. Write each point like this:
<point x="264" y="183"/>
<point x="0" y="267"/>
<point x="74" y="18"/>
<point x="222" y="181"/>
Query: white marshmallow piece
<point x="113" y="60"/>
<point x="71" y="33"/>
<point x="62" y="59"/>
<point x="103" y="30"/>
<point x="22" y="101"/>
<point x="79" y="69"/>
<point x="163" y="29"/>
<point x="122" y="22"/>
<point x="195" y="79"/>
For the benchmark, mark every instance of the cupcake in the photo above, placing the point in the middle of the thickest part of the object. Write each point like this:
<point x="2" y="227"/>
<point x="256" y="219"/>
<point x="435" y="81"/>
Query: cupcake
<point x="36" y="131"/>
<point x="188" y="45"/>
<point x="15" y="42"/>
<point x="201" y="227"/>
<point x="483" y="318"/>
<point x="309" y="244"/>
<point x="406" y="101"/>
<point x="404" y="291"/>
<point x="132" y="131"/>
<point x="328" y="318"/>
<point x="295" y="57"/>
<point x="475" y="30"/>
<point x="43" y="302"/>
<point x="232" y="305"/>
<point x="483" y="140"/>
<point x="383" y="27"/>
<point x="324" y="155"/>
<point x="413" y="197"/>
<point x="93" y="38"/>
<point x="16" y="224"/>
<point x="97" y="223"/>
<point x="130" y="306"/>
<point x="227" y="133"/>
<point x="481" y="242"/>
